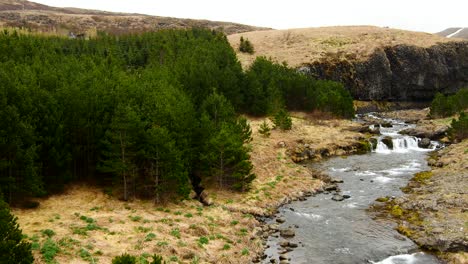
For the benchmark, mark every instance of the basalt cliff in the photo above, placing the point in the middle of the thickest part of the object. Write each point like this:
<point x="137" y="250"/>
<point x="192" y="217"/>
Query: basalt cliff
<point x="400" y="73"/>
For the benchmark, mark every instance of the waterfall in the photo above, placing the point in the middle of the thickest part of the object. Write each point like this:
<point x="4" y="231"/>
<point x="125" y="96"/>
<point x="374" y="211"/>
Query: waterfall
<point x="404" y="144"/>
<point x="382" y="148"/>
<point x="401" y="144"/>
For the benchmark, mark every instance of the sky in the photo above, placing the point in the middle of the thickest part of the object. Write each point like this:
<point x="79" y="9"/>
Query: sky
<point x="418" y="15"/>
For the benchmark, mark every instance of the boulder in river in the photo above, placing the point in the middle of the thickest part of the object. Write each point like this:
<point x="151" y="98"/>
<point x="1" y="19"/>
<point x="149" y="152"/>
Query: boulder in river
<point x="330" y="187"/>
<point x="386" y="125"/>
<point x="337" y="198"/>
<point x="288" y="232"/>
<point x="424" y="143"/>
<point x="388" y="141"/>
<point x="280" y="220"/>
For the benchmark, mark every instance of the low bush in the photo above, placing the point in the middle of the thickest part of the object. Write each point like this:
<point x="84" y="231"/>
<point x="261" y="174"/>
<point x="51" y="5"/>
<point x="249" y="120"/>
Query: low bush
<point x="459" y="128"/>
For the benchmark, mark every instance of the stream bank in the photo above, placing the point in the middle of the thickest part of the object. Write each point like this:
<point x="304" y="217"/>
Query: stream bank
<point x="334" y="226"/>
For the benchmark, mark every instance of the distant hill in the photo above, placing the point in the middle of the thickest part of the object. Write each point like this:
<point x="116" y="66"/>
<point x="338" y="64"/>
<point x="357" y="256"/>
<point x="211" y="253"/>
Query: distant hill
<point x="455" y="33"/>
<point x="38" y="17"/>
<point x="306" y="45"/>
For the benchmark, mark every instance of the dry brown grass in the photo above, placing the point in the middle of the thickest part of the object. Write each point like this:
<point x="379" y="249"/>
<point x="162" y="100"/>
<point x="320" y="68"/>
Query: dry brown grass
<point x="125" y="227"/>
<point x="278" y="179"/>
<point x="306" y="45"/>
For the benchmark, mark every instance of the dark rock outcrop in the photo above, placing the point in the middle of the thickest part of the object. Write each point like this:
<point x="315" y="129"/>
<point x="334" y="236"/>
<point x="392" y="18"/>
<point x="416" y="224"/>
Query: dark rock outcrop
<point x="400" y="73"/>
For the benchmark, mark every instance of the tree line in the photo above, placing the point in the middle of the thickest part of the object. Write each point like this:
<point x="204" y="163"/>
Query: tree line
<point x="151" y="114"/>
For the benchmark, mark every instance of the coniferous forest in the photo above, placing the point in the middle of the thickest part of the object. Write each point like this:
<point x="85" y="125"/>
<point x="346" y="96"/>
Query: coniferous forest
<point x="149" y="115"/>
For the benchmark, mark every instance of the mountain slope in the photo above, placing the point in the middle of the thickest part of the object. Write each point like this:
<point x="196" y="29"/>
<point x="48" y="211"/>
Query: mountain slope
<point x="27" y="14"/>
<point x="454" y="33"/>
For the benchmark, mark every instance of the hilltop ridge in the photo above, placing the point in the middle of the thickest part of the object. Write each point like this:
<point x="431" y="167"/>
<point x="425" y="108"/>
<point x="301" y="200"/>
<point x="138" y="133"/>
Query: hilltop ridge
<point x="306" y="45"/>
<point x="39" y="17"/>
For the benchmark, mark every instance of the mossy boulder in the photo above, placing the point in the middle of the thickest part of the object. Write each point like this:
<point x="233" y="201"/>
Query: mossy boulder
<point x="373" y="142"/>
<point x="388" y="141"/>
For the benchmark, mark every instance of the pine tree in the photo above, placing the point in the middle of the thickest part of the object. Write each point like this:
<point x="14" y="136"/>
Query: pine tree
<point x="282" y="120"/>
<point x="224" y="152"/>
<point x="265" y="129"/>
<point x="120" y="143"/>
<point x="13" y="249"/>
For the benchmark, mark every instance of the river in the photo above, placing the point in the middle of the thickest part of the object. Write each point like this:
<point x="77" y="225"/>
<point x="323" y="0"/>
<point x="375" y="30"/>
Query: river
<point x="329" y="231"/>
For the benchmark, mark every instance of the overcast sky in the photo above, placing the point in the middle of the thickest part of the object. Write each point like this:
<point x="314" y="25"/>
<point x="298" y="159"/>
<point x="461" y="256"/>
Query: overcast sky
<point x="418" y="15"/>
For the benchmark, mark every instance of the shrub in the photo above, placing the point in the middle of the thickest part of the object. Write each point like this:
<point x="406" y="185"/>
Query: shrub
<point x="158" y="260"/>
<point x="443" y="106"/>
<point x="246" y="46"/>
<point x="124" y="259"/>
<point x="13" y="249"/>
<point x="49" y="250"/>
<point x="150" y="236"/>
<point x="283" y="120"/>
<point x="175" y="232"/>
<point x="459" y="128"/>
<point x="265" y="129"/>
<point x="48" y="232"/>
<point x="203" y="240"/>
<point x="226" y="247"/>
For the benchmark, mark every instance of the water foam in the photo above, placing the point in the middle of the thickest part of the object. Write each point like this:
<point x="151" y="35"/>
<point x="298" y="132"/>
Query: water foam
<point x="309" y="216"/>
<point x="402" y="259"/>
<point x="383" y="179"/>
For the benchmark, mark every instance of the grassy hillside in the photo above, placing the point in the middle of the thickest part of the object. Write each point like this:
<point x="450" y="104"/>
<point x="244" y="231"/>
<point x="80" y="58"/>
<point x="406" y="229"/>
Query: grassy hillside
<point x="298" y="46"/>
<point x="17" y="13"/>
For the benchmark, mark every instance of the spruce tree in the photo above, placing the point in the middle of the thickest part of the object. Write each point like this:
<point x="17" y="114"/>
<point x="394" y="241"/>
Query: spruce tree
<point x="13" y="249"/>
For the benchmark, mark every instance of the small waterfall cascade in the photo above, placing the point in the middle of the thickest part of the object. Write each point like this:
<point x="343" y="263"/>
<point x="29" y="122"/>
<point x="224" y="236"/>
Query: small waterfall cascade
<point x="390" y="141"/>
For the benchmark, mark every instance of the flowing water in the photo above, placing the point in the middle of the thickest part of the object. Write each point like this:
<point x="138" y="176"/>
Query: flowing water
<point x="328" y="231"/>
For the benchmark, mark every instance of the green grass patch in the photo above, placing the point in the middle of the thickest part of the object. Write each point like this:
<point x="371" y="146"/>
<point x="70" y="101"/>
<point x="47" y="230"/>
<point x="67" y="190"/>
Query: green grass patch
<point x="49" y="250"/>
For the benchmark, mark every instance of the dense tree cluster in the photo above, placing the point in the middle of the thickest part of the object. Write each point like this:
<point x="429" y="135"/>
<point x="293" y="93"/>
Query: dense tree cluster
<point x="128" y="110"/>
<point x="150" y="114"/>
<point x="443" y="106"/>
<point x="271" y="87"/>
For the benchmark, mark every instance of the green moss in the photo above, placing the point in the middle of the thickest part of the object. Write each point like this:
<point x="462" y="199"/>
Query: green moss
<point x="396" y="211"/>
<point x="382" y="199"/>
<point x="423" y="176"/>
<point x="404" y="230"/>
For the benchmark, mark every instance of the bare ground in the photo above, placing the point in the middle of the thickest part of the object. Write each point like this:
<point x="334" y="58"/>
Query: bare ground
<point x="92" y="226"/>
